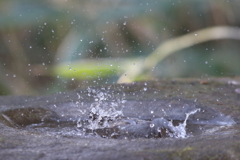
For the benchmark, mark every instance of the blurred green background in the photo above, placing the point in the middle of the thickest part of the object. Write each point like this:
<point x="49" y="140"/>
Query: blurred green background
<point x="58" y="45"/>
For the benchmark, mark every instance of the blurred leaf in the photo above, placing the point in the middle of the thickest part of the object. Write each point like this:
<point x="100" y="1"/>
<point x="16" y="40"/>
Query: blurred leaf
<point x="173" y="45"/>
<point x="88" y="35"/>
<point x="94" y="69"/>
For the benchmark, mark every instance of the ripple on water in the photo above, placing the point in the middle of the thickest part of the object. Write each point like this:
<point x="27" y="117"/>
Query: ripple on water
<point x="112" y="117"/>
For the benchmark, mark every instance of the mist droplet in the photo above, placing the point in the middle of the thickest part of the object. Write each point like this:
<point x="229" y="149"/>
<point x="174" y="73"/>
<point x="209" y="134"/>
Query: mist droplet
<point x="152" y="125"/>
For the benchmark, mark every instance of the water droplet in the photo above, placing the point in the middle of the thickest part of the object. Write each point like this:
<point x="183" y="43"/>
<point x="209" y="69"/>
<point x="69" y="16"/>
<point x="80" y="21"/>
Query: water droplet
<point x="237" y="90"/>
<point x="152" y="125"/>
<point x="159" y="130"/>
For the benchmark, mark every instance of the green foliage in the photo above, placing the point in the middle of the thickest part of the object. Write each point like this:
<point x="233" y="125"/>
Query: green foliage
<point x="44" y="40"/>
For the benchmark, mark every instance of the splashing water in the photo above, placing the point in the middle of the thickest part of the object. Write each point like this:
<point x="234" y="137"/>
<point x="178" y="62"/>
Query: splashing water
<point x="157" y="128"/>
<point x="180" y="130"/>
<point x="102" y="113"/>
<point x="105" y="118"/>
<point x="100" y="117"/>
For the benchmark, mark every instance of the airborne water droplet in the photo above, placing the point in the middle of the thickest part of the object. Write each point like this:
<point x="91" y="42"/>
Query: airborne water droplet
<point x="151" y="125"/>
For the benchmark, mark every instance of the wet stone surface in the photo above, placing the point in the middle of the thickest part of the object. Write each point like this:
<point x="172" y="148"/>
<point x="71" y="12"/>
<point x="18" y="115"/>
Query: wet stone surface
<point x="168" y="119"/>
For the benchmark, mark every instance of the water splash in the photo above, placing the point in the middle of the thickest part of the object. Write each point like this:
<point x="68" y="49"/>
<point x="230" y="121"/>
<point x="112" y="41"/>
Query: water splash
<point x="101" y="113"/>
<point x="108" y="117"/>
<point x="180" y="130"/>
<point x="107" y="120"/>
<point x="157" y="128"/>
<point x="100" y="117"/>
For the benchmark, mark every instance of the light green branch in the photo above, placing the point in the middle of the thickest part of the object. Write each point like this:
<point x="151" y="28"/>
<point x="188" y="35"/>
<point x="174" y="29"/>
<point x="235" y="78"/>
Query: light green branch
<point x="173" y="45"/>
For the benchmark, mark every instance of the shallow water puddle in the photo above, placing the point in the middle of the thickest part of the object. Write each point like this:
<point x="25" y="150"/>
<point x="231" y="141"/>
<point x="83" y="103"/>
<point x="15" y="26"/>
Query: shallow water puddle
<point x="114" y="115"/>
<point x="123" y="119"/>
<point x="121" y="128"/>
